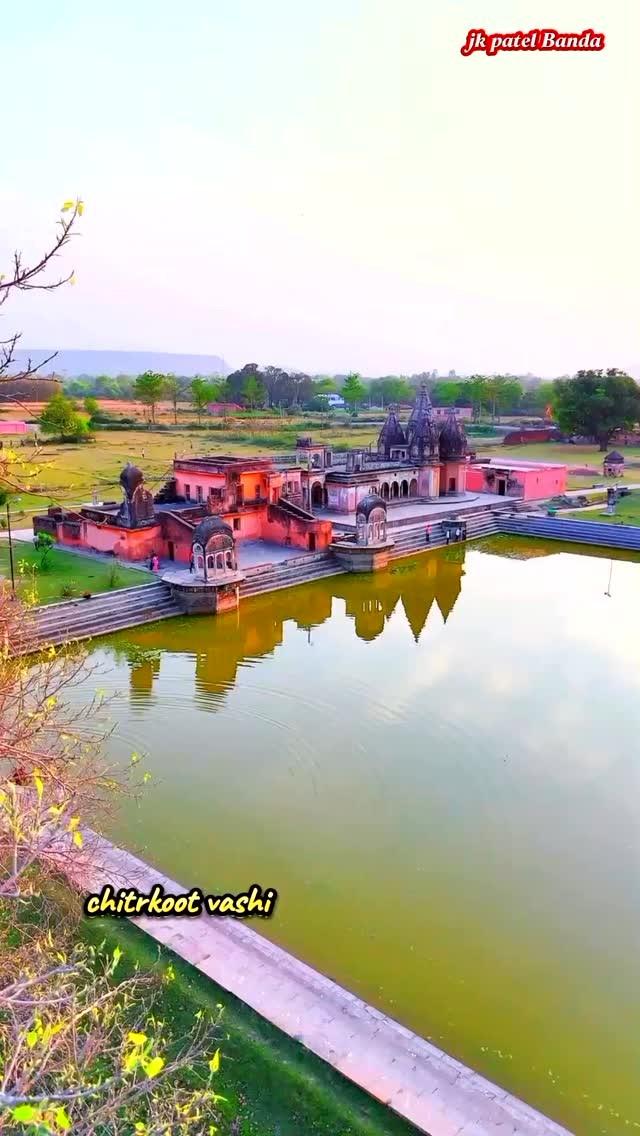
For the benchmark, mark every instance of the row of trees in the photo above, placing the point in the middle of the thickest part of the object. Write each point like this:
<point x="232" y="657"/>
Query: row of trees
<point x="254" y="387"/>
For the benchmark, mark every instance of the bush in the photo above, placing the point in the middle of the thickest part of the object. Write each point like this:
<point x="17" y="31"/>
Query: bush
<point x="114" y="578"/>
<point x="68" y="590"/>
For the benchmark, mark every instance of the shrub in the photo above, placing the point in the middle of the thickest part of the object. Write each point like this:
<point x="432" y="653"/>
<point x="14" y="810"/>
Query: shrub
<point x="114" y="578"/>
<point x="68" y="590"/>
<point x="43" y="544"/>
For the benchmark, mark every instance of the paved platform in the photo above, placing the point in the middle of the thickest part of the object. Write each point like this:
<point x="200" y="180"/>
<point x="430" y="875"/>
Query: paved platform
<point x="421" y="510"/>
<point x="250" y="553"/>
<point x="436" y="1093"/>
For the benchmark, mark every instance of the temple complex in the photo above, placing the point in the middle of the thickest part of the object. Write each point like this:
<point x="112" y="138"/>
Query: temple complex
<point x="297" y="500"/>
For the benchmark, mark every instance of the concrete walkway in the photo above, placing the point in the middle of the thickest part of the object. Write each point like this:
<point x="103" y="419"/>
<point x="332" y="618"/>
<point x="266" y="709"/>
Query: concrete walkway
<point x="437" y="1094"/>
<point x="404" y="508"/>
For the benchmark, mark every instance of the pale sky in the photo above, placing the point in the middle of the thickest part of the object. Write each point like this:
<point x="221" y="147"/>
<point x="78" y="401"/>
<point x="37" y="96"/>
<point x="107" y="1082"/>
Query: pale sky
<point x="328" y="186"/>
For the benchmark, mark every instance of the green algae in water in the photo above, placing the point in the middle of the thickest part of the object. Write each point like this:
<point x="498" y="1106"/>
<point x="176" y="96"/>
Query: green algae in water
<point x="438" y="770"/>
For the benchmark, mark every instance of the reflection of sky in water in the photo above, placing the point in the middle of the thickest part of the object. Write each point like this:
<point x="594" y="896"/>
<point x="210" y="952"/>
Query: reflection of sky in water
<point x="343" y="738"/>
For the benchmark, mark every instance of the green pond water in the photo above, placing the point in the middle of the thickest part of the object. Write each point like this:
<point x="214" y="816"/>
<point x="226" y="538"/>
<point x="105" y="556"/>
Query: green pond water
<point x="438" y="769"/>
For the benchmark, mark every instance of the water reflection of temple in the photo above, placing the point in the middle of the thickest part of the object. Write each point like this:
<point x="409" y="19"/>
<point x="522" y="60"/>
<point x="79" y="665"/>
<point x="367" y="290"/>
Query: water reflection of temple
<point x="219" y="647"/>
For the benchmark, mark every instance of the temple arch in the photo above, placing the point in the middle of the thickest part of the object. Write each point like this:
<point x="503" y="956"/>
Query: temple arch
<point x="395" y="489"/>
<point x="404" y="488"/>
<point x="413" y="487"/>
<point x="317" y="494"/>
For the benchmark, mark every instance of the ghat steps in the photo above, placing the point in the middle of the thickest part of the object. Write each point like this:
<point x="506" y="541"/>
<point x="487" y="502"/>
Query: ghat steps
<point x="110" y="611"/>
<point x="288" y="573"/>
<point x="102" y="614"/>
<point x="580" y="532"/>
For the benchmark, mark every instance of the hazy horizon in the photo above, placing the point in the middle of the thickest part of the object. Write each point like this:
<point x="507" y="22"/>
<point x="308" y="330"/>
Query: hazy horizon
<point x="328" y="189"/>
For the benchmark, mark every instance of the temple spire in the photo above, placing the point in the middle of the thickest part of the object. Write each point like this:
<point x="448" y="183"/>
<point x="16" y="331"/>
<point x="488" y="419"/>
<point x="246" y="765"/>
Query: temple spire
<point x="422" y="433"/>
<point x="391" y="435"/>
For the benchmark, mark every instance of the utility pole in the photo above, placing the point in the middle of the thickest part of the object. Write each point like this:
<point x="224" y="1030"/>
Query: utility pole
<point x="13" y="578"/>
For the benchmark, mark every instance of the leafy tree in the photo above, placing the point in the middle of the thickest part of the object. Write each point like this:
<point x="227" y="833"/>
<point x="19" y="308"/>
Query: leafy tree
<point x="277" y="385"/>
<point x="353" y="390"/>
<point x="392" y="388"/>
<point x="60" y="418"/>
<point x="477" y="390"/>
<point x="502" y="391"/>
<point x="325" y="385"/>
<point x="174" y="390"/>
<point x="91" y="405"/>
<point x="203" y="391"/>
<point x="237" y="379"/>
<point x="597" y="403"/>
<point x="43" y="544"/>
<point x="445" y="392"/>
<point x="149" y="389"/>
<point x="253" y="391"/>
<point x="537" y="398"/>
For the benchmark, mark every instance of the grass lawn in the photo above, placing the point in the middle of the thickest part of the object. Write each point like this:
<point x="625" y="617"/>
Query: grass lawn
<point x="627" y="512"/>
<point x="274" y="1086"/>
<point x="69" y="473"/>
<point x="66" y="570"/>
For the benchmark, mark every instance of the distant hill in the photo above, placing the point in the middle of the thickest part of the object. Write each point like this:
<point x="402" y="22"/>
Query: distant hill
<point x="71" y="363"/>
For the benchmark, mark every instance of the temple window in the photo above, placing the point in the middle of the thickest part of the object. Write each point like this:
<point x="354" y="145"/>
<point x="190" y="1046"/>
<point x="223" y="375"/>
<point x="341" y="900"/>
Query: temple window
<point x="200" y="562"/>
<point x="230" y="563"/>
<point x="187" y="492"/>
<point x="199" y="494"/>
<point x="220" y="562"/>
<point x="210" y="562"/>
<point x="236" y="523"/>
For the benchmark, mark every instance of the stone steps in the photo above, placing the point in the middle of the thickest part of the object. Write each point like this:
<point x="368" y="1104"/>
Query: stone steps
<point x="109" y="611"/>
<point x="580" y="532"/>
<point x="289" y="575"/>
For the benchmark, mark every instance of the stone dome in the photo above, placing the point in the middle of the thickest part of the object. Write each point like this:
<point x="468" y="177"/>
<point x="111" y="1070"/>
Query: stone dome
<point x="130" y="478"/>
<point x="452" y="442"/>
<point x="211" y="526"/>
<point x="614" y="458"/>
<point x="366" y="506"/>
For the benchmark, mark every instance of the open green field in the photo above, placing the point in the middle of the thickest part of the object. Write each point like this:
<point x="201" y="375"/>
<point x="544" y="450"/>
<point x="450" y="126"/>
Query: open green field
<point x="70" y="473"/>
<point x="627" y="512"/>
<point x="66" y="575"/>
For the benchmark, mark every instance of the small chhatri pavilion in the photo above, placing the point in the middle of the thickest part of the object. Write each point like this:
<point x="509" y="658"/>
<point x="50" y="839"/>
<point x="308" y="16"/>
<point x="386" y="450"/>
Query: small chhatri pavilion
<point x="613" y="464"/>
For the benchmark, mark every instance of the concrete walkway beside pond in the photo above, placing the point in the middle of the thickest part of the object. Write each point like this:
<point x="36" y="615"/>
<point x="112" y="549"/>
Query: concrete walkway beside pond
<point x="436" y="1093"/>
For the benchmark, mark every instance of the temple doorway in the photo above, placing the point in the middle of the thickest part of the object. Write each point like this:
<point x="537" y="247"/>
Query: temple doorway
<point x="413" y="487"/>
<point x="171" y="550"/>
<point x="452" y="484"/>
<point x="502" y="486"/>
<point x="312" y="542"/>
<point x="317" y="494"/>
<point x="404" y="489"/>
<point x="384" y="491"/>
<point x="395" y="490"/>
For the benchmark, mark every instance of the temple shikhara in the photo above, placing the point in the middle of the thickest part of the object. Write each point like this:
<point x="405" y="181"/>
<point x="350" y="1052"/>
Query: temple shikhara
<point x="297" y="500"/>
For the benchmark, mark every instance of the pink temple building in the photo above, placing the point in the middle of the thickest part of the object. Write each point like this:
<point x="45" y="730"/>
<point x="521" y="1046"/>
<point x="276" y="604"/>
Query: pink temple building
<point x="527" y="481"/>
<point x="295" y="500"/>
